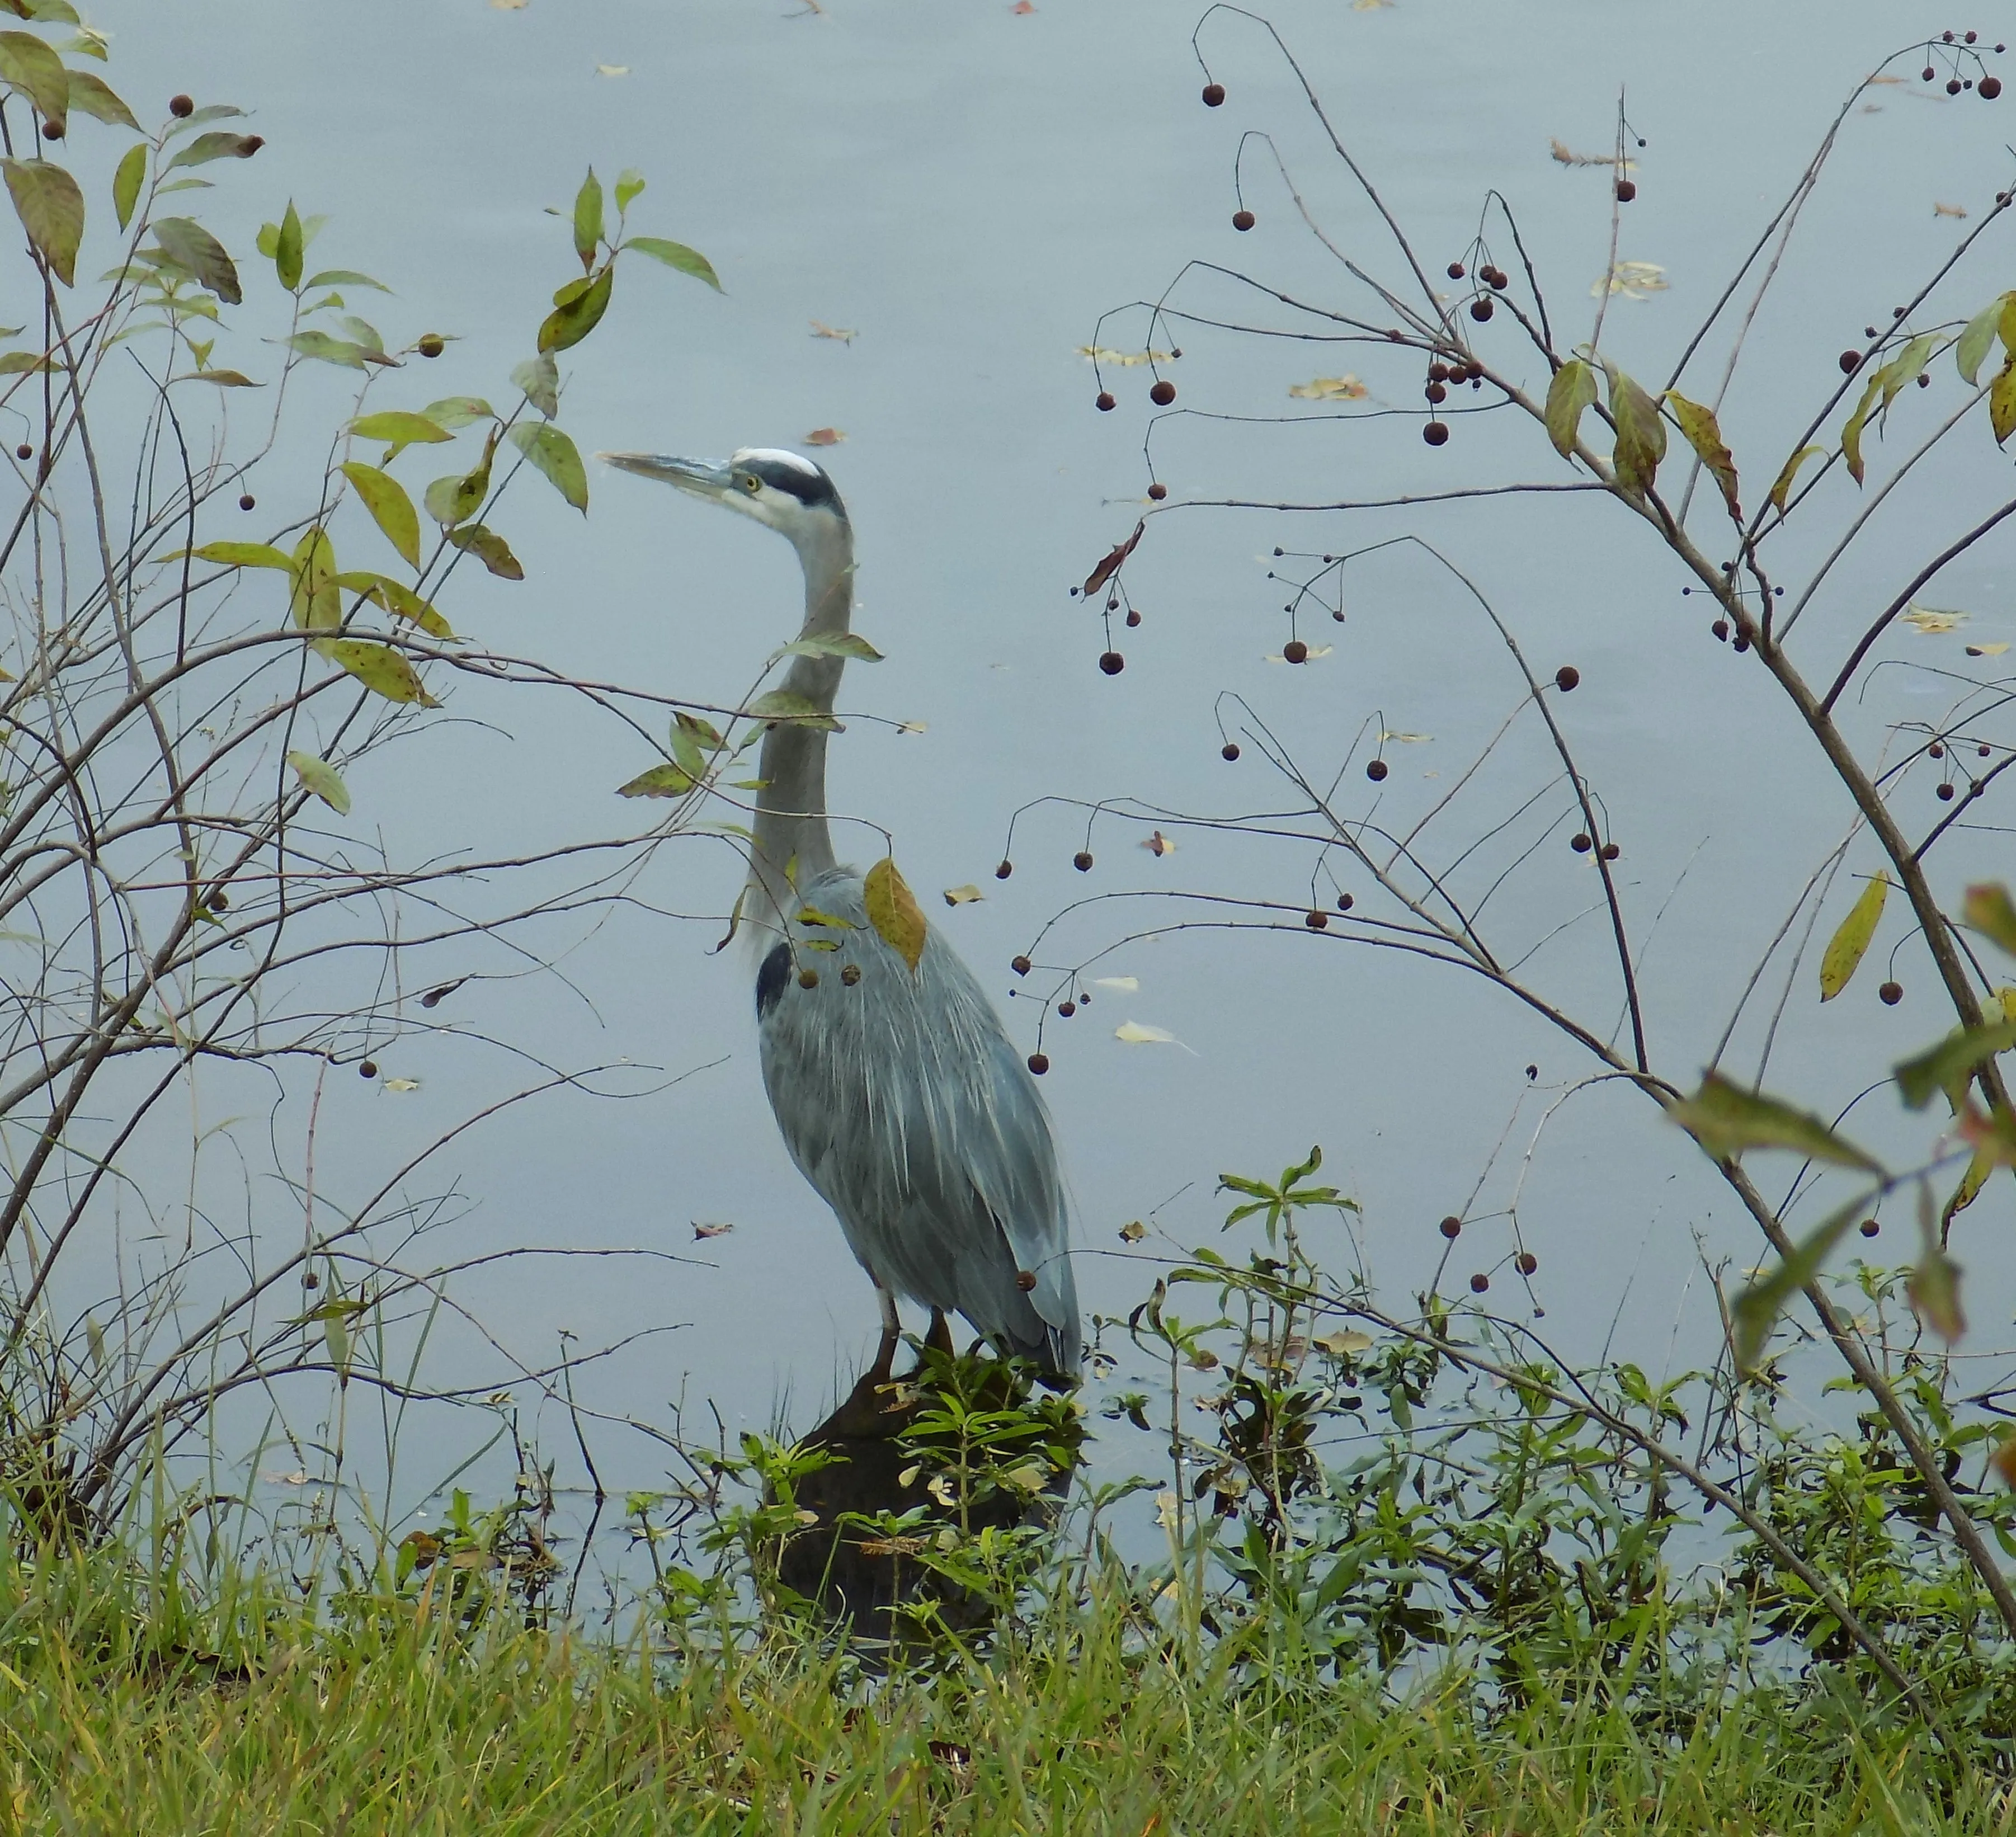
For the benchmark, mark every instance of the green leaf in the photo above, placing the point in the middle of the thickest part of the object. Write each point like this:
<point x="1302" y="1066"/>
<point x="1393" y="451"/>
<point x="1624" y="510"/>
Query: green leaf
<point x="1757" y="1310"/>
<point x="1908" y="365"/>
<point x="628" y="183"/>
<point x="588" y="219"/>
<point x="314" y="599"/>
<point x="1933" y="1286"/>
<point x="243" y="555"/>
<point x="392" y="510"/>
<point x="29" y="65"/>
<point x="840" y="644"/>
<point x="781" y="704"/>
<point x="320" y="776"/>
<point x="1845" y="949"/>
<point x="811" y="914"/>
<point x="380" y="669"/>
<point x="490" y="548"/>
<point x="50" y="209"/>
<point x="538" y="379"/>
<point x="1990" y="910"/>
<point x="287" y="250"/>
<point x="126" y="183"/>
<point x="398" y="430"/>
<point x="1948" y="1066"/>
<point x="452" y="500"/>
<point x="573" y="318"/>
<point x="1973" y="342"/>
<point x="215" y="111"/>
<point x="1851" y="434"/>
<point x="205" y="147"/>
<point x="553" y="453"/>
<point x="894" y="911"/>
<point x="16" y="363"/>
<point x="399" y="600"/>
<point x="1783" y="488"/>
<point x="458" y="410"/>
<point x="191" y="247"/>
<point x="677" y="255"/>
<point x="337" y="277"/>
<point x="2002" y="403"/>
<point x="1641" y="432"/>
<point x="1572" y="391"/>
<point x="223" y="379"/>
<point x="660" y="781"/>
<point x="1726" y="1119"/>
<point x="91" y="95"/>
<point x="326" y="349"/>
<point x="1704" y="434"/>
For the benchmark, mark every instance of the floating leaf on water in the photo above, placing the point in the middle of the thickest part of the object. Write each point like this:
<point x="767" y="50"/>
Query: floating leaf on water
<point x="1133" y="1231"/>
<point x="612" y="70"/>
<point x="1635" y="280"/>
<point x="702" y="1232"/>
<point x="400" y="1086"/>
<point x="964" y="896"/>
<point x="1159" y="845"/>
<point x="1124" y="985"/>
<point x="1343" y="1344"/>
<point x="1939" y="209"/>
<point x="825" y="436"/>
<point x="1932" y="620"/>
<point x="1563" y="156"/>
<point x="1138" y="1033"/>
<point x="1986" y="650"/>
<point x="1125" y="360"/>
<point x="1407" y="739"/>
<point x="1845" y="949"/>
<point x="1344" y="388"/>
<point x="1309" y="654"/>
<point x="839" y="334"/>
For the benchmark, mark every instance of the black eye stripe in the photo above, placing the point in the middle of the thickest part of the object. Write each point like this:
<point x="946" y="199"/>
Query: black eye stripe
<point x="809" y="486"/>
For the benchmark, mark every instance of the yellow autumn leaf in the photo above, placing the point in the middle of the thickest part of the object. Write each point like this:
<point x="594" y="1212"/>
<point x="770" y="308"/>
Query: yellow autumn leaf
<point x="1344" y="388"/>
<point x="894" y="911"/>
<point x="1851" y="939"/>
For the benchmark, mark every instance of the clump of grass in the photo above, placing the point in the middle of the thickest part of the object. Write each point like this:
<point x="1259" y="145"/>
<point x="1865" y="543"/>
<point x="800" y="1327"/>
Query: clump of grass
<point x="125" y="1703"/>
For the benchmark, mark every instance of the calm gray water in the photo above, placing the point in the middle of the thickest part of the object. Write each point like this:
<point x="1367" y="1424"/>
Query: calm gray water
<point x="966" y="188"/>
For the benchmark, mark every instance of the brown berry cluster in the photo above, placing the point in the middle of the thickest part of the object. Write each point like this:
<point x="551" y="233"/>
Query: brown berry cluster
<point x="1956" y="48"/>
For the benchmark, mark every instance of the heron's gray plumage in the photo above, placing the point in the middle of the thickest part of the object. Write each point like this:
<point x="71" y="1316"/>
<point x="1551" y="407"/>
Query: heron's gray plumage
<point x="899" y="1095"/>
<point x="908" y="1108"/>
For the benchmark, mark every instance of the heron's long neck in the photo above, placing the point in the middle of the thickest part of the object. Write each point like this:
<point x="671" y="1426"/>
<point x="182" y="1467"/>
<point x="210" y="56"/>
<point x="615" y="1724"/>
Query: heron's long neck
<point x="793" y="842"/>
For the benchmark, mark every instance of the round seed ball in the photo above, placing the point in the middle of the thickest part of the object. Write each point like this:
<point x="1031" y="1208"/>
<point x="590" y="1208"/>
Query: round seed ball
<point x="1435" y="433"/>
<point x="1112" y="662"/>
<point x="1103" y="402"/>
<point x="1946" y="792"/>
<point x="1480" y="309"/>
<point x="1214" y="95"/>
<point x="1851" y="361"/>
<point x="431" y="344"/>
<point x="1242" y="220"/>
<point x="1626" y="190"/>
<point x="24" y="452"/>
<point x="1020" y="965"/>
<point x="181" y="108"/>
<point x="1890" y="994"/>
<point x="1451" y="1227"/>
<point x="1163" y="394"/>
<point x="1295" y="651"/>
<point x="1067" y="1008"/>
<point x="247" y="501"/>
<point x="1455" y="271"/>
<point x="1567" y="677"/>
<point x="1229" y="750"/>
<point x="1525" y="1263"/>
<point x="1989" y="87"/>
<point x="849" y="974"/>
<point x="1375" y="769"/>
<point x="1869" y="1227"/>
<point x="1580" y="843"/>
<point x="1158" y="491"/>
<point x="1345" y="902"/>
<point x="1610" y="851"/>
<point x="1082" y="861"/>
<point x="1039" y="1063"/>
<point x="1316" y="921"/>
<point x="1006" y="869"/>
<point x="1720" y="628"/>
<point x="808" y="977"/>
<point x="1479" y="1282"/>
<point x="368" y="1069"/>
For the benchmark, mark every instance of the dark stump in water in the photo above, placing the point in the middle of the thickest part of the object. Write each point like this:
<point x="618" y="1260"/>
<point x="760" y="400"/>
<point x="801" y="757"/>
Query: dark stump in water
<point x="970" y="1444"/>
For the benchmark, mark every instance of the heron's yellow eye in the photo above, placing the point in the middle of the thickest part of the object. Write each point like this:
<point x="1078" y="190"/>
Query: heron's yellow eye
<point x="751" y="483"/>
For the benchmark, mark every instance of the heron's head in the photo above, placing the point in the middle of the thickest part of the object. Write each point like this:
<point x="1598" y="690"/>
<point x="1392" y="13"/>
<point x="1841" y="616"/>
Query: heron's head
<point x="783" y="492"/>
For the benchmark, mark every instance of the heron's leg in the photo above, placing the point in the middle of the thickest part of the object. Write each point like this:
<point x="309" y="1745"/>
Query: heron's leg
<point x="892" y="1329"/>
<point x="939" y="1336"/>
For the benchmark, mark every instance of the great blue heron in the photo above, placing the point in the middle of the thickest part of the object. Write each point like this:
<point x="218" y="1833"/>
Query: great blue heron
<point x="899" y="1096"/>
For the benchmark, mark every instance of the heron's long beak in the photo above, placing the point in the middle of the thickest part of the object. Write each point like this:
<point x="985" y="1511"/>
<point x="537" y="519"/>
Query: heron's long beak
<point x="704" y="478"/>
